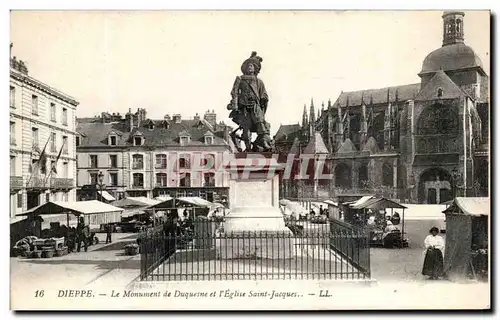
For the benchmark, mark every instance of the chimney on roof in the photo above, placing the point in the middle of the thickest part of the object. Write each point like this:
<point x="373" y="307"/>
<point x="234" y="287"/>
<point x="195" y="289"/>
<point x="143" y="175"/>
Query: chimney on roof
<point x="177" y="118"/>
<point x="211" y="117"/>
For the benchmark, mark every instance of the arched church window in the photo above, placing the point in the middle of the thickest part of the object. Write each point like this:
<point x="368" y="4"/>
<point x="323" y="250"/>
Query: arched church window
<point x="459" y="25"/>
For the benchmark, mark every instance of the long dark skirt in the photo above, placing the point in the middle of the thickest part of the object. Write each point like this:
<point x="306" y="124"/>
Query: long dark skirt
<point x="433" y="263"/>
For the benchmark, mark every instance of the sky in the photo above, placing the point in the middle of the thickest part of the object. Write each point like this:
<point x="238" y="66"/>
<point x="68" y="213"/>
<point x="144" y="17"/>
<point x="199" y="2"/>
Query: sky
<point x="186" y="61"/>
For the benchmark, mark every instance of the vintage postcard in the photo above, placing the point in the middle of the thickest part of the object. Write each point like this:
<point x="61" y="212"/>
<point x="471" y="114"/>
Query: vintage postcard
<point x="249" y="160"/>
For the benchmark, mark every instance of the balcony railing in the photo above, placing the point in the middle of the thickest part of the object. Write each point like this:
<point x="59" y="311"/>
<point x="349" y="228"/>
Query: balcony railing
<point x="37" y="183"/>
<point x="161" y="185"/>
<point x="209" y="184"/>
<point x="16" y="182"/>
<point x="61" y="183"/>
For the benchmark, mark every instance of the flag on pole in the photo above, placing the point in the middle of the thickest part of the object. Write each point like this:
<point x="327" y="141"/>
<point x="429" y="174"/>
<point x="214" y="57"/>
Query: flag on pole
<point x="42" y="159"/>
<point x="54" y="166"/>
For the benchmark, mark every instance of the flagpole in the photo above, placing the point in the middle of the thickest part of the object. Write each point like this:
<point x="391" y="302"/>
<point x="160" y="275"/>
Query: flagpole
<point x="42" y="154"/>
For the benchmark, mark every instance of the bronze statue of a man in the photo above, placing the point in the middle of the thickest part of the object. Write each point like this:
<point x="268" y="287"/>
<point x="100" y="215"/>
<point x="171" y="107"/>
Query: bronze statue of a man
<point x="249" y="104"/>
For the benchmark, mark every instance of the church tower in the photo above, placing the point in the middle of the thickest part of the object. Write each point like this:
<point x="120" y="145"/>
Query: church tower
<point x="453" y="28"/>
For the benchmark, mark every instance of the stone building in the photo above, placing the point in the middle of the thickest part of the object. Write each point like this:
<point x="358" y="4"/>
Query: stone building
<point x="424" y="142"/>
<point x="42" y="126"/>
<point x="137" y="156"/>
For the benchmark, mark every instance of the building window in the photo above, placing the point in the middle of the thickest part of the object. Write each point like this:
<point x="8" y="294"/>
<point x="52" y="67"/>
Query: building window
<point x="43" y="167"/>
<point x="185" y="180"/>
<point x="138" y="180"/>
<point x="66" y="196"/>
<point x="19" y="200"/>
<point x="161" y="161"/>
<point x="208" y="161"/>
<point x="93" y="178"/>
<point x="65" y="116"/>
<point x="184" y="141"/>
<point x="12" y="165"/>
<point x="209" y="140"/>
<point x="209" y="179"/>
<point x="53" y="112"/>
<point x="65" y="170"/>
<point x="77" y="141"/>
<point x="113" y="161"/>
<point x="387" y="175"/>
<point x="112" y="140"/>
<point x="12" y="133"/>
<point x="34" y="137"/>
<point x="113" y="179"/>
<point x="65" y="144"/>
<point x="33" y="167"/>
<point x="137" y="161"/>
<point x="53" y="147"/>
<point x="47" y="197"/>
<point x="12" y="97"/>
<point x="161" y="179"/>
<point x="53" y="165"/>
<point x="34" y="105"/>
<point x="184" y="162"/>
<point x="93" y="161"/>
<point x="137" y="141"/>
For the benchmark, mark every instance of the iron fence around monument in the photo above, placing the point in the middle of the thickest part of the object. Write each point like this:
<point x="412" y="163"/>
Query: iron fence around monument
<point x="203" y="251"/>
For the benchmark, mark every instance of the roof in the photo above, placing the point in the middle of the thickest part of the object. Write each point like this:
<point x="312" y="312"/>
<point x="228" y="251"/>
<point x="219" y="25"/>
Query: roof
<point x="287" y="132"/>
<point x="472" y="206"/>
<point x="440" y="81"/>
<point x="96" y="133"/>
<point x="135" y="202"/>
<point x="106" y="195"/>
<point x="371" y="145"/>
<point x="377" y="204"/>
<point x="378" y="96"/>
<point x="195" y="201"/>
<point x="347" y="147"/>
<point x="316" y="145"/>
<point x="451" y="57"/>
<point x="77" y="207"/>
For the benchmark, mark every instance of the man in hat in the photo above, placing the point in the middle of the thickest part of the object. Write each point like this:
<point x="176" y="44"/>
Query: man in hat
<point x="249" y="104"/>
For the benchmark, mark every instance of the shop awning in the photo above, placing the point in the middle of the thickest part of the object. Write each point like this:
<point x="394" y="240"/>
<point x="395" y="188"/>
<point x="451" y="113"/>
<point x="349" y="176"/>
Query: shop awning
<point x="106" y="195"/>
<point x="377" y="204"/>
<point x="192" y="201"/>
<point x="135" y="202"/>
<point x="473" y="206"/>
<point x="77" y="207"/>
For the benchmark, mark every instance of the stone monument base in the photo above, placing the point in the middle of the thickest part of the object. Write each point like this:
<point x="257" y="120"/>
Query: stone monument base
<point x="255" y="232"/>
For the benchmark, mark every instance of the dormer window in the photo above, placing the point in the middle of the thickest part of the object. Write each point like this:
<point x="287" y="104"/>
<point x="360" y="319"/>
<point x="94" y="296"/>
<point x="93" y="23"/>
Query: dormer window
<point x="184" y="138"/>
<point x="137" y="141"/>
<point x="209" y="137"/>
<point x="440" y="93"/>
<point x="112" y="140"/>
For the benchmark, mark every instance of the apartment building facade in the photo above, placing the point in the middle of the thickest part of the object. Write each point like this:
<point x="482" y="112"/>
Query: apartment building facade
<point x="136" y="156"/>
<point x="42" y="126"/>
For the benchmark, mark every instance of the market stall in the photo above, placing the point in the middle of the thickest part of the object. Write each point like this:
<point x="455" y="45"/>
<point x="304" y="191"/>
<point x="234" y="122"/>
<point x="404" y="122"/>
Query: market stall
<point x="467" y="230"/>
<point x="61" y="218"/>
<point x="382" y="217"/>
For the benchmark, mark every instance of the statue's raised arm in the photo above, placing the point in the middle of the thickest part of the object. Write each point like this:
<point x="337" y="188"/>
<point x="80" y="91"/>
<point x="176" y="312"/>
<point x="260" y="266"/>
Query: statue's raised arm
<point x="249" y="100"/>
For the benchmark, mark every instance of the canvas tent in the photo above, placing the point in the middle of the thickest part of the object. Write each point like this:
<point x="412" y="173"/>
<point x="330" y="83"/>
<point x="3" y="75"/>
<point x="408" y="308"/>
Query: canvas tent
<point x="199" y="206"/>
<point x="94" y="212"/>
<point x="466" y="233"/>
<point x="134" y="205"/>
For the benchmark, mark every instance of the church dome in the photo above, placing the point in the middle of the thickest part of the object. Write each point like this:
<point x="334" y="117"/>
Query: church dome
<point x="451" y="57"/>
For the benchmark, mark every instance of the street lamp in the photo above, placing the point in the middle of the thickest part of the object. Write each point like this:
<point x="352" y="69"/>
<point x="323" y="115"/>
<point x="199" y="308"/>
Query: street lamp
<point x="100" y="177"/>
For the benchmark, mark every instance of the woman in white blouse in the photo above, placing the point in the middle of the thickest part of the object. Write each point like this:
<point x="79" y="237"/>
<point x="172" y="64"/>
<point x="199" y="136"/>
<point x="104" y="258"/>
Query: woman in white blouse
<point x="433" y="263"/>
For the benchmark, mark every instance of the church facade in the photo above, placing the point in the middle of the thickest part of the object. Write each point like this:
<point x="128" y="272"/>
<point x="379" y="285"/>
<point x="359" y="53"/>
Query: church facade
<point x="425" y="142"/>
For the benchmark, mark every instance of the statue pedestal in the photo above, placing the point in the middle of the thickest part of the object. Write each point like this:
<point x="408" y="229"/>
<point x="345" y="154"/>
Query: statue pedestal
<point x="255" y="227"/>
